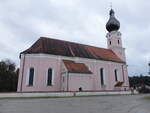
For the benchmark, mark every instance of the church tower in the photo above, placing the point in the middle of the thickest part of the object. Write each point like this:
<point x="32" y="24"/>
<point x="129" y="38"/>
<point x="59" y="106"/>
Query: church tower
<point x="113" y="36"/>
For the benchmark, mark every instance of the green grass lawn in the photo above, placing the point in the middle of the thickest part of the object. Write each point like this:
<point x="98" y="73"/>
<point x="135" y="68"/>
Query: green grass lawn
<point x="147" y="97"/>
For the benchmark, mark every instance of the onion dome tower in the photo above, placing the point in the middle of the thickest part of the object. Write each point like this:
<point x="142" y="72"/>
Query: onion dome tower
<point x="113" y="24"/>
<point x="114" y="40"/>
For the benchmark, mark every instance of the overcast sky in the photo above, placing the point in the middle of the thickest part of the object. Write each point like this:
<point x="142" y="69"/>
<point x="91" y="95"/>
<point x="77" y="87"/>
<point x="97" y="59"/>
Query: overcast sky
<point x="22" y="22"/>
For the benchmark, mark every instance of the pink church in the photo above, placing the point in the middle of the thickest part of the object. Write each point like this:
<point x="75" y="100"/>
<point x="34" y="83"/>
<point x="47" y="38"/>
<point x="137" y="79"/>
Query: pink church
<point x="58" y="65"/>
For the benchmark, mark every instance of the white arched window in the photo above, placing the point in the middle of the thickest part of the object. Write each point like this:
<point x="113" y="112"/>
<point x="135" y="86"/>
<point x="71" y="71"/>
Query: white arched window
<point x="118" y="41"/>
<point x="31" y="76"/>
<point x="49" y="76"/>
<point x="102" y="76"/>
<point x="110" y="42"/>
<point x="116" y="74"/>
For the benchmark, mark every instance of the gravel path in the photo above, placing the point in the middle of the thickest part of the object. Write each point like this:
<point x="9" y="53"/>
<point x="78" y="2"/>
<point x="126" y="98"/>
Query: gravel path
<point x="97" y="104"/>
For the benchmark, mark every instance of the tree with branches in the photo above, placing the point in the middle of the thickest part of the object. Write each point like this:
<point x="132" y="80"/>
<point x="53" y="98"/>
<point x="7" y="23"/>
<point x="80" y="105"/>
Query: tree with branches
<point x="8" y="76"/>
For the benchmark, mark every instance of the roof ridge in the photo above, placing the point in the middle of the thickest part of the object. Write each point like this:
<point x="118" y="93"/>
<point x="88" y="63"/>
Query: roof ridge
<point x="71" y="49"/>
<point x="72" y="42"/>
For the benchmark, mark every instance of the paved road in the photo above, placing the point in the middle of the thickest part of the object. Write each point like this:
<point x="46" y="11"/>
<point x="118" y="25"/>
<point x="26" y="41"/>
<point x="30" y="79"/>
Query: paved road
<point x="98" y="104"/>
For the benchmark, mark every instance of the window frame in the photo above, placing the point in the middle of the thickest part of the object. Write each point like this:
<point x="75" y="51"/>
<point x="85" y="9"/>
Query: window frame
<point x="63" y="79"/>
<point x="116" y="74"/>
<point x="118" y="41"/>
<point x="102" y="73"/>
<point x="52" y="79"/>
<point x="28" y="77"/>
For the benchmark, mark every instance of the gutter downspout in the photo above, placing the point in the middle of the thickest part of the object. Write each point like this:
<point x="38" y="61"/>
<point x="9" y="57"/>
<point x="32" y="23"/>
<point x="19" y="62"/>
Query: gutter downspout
<point x="22" y="73"/>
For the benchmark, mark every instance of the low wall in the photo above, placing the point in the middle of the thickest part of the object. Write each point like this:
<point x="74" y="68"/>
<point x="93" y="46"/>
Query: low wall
<point x="60" y="94"/>
<point x="101" y="93"/>
<point x="51" y="94"/>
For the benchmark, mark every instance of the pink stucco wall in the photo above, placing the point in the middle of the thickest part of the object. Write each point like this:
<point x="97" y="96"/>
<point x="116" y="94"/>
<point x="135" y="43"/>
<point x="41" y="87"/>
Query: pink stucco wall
<point x="116" y="47"/>
<point x="41" y="66"/>
<point x="41" y="63"/>
<point x="109" y="68"/>
<point x="86" y="82"/>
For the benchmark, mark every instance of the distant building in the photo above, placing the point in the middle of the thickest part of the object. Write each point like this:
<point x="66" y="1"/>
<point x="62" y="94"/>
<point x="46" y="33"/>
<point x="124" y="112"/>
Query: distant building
<point x="57" y="65"/>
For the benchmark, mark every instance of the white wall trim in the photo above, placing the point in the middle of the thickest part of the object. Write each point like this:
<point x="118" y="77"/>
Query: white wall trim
<point x="104" y="76"/>
<point x="42" y="55"/>
<point x="27" y="77"/>
<point x="80" y="74"/>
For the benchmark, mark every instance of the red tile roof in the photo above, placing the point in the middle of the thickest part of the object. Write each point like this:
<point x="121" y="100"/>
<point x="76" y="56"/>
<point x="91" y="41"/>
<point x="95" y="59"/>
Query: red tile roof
<point x="74" y="67"/>
<point x="70" y="49"/>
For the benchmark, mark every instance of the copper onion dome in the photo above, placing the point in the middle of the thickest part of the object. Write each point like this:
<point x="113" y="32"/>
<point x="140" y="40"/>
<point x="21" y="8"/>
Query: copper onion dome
<point x="113" y="24"/>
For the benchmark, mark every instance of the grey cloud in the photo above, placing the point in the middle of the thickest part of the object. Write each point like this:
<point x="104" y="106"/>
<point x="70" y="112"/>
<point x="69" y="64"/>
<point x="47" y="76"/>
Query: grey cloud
<point x="23" y="22"/>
